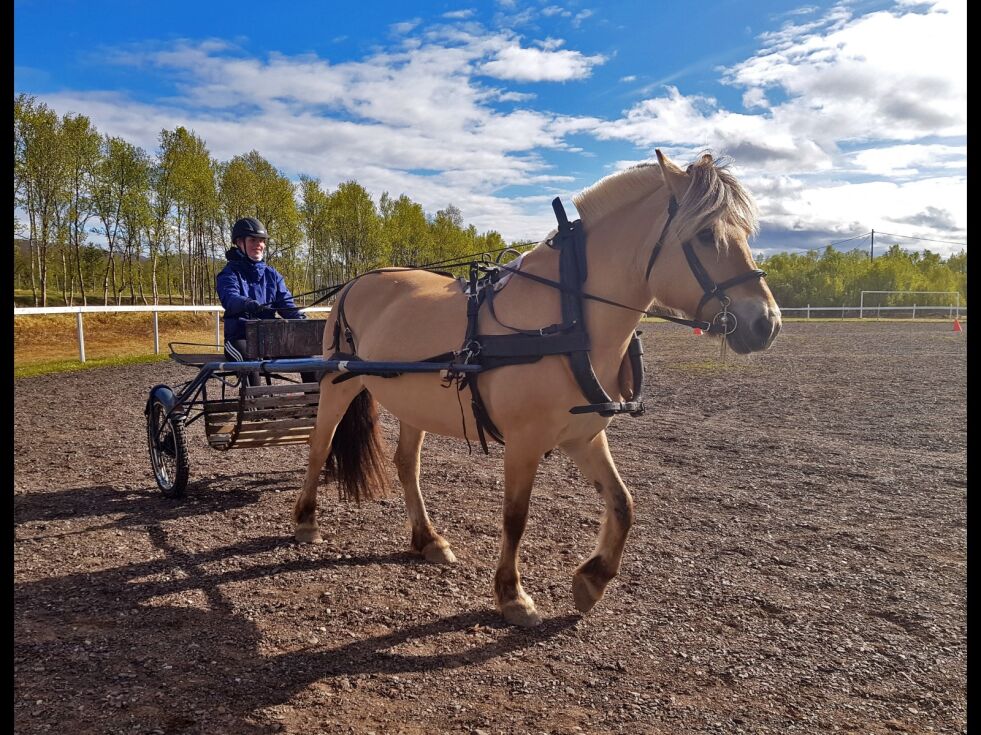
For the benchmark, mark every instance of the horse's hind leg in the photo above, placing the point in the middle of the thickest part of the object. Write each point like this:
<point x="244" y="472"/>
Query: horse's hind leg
<point x="334" y="400"/>
<point x="591" y="577"/>
<point x="425" y="540"/>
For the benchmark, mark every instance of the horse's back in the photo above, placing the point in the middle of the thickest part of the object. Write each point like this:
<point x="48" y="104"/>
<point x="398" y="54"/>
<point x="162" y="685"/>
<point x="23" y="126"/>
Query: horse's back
<point x="405" y="314"/>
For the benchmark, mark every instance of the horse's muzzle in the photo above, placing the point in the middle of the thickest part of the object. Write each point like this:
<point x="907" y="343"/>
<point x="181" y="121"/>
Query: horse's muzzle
<point x="756" y="329"/>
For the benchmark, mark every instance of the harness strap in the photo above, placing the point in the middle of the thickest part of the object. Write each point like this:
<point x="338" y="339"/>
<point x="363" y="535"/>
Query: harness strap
<point x="672" y="211"/>
<point x="710" y="287"/>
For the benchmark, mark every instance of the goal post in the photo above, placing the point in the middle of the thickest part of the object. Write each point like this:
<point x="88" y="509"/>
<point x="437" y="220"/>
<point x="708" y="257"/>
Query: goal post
<point x="956" y="294"/>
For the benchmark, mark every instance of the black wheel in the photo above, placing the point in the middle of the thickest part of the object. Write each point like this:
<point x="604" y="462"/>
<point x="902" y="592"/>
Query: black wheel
<point x="168" y="448"/>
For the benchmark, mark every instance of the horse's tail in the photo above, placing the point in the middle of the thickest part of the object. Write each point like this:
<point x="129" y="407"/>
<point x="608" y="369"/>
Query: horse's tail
<point x="355" y="458"/>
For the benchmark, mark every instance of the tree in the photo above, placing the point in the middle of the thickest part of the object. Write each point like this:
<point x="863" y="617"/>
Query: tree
<point x="82" y="150"/>
<point x="405" y="233"/>
<point x="120" y="178"/>
<point x="355" y="228"/>
<point x="41" y="173"/>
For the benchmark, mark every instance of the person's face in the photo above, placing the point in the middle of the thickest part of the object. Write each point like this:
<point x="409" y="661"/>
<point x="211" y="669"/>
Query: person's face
<point x="255" y="247"/>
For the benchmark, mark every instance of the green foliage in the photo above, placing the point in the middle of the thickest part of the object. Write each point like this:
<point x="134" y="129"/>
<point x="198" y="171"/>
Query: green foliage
<point x="837" y="279"/>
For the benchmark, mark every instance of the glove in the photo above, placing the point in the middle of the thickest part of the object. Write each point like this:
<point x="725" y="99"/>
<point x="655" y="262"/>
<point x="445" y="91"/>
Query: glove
<point x="265" y="312"/>
<point x="256" y="310"/>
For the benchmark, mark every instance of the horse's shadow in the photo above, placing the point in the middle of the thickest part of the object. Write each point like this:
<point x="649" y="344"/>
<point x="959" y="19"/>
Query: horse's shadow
<point x="149" y="606"/>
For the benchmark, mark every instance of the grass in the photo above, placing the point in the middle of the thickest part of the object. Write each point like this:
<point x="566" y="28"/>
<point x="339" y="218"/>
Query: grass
<point x="44" y="367"/>
<point x="49" y="343"/>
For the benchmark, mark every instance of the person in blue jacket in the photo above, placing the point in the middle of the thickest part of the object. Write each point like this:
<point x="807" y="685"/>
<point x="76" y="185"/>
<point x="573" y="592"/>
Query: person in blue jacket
<point x="250" y="288"/>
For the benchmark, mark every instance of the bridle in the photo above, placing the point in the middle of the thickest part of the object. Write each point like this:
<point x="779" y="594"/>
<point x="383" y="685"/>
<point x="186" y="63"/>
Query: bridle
<point x="724" y="322"/>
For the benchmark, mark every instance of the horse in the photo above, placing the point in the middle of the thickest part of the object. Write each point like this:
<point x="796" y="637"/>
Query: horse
<point x="411" y="314"/>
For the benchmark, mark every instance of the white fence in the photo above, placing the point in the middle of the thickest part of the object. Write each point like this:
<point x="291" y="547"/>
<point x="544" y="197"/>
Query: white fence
<point x="951" y="312"/>
<point x="155" y="310"/>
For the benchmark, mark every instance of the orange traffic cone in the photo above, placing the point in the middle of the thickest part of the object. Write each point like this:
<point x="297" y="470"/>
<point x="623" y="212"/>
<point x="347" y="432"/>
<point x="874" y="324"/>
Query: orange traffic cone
<point x="957" y="325"/>
<point x="699" y="331"/>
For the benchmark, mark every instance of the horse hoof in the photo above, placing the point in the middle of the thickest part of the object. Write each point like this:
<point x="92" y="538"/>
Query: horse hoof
<point x="584" y="594"/>
<point x="438" y="554"/>
<point x="308" y="535"/>
<point x="518" y="612"/>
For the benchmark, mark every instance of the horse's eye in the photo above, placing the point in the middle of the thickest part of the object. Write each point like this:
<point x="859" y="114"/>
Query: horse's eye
<point x="706" y="238"/>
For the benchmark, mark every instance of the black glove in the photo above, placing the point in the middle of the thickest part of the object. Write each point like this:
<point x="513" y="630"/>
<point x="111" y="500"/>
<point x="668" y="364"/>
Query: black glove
<point x="256" y="310"/>
<point x="266" y="313"/>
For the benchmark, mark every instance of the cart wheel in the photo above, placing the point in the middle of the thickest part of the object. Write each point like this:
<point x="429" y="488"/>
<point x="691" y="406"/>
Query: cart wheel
<point x="168" y="449"/>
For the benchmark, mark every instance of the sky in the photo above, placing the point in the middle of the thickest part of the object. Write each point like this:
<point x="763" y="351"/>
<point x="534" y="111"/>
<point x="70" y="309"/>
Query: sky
<point x="839" y="118"/>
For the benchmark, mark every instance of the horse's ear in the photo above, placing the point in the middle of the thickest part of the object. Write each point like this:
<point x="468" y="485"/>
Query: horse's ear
<point x="676" y="179"/>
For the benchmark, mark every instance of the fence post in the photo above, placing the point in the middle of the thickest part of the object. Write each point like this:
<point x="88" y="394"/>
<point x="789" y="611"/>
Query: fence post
<point x="156" y="334"/>
<point x="81" y="335"/>
<point x="808" y="311"/>
<point x="914" y="311"/>
<point x="218" y="328"/>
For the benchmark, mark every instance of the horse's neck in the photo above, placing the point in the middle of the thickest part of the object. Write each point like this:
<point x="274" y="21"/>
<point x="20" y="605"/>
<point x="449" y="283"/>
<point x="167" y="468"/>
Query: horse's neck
<point x="618" y="247"/>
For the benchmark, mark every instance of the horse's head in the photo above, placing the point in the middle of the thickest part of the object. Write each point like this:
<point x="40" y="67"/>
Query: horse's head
<point x="704" y="268"/>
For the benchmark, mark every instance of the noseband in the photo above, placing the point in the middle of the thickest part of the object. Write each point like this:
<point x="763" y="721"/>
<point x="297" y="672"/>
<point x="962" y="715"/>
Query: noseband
<point x="724" y="322"/>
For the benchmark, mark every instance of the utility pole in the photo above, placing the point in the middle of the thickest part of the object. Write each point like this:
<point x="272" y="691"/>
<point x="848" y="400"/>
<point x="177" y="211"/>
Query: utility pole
<point x="872" y="247"/>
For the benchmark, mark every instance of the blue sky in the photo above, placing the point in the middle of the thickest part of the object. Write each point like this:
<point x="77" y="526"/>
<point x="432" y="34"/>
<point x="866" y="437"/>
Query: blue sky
<point x="840" y="118"/>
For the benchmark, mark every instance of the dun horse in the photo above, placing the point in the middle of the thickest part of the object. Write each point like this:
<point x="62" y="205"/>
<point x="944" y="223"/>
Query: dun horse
<point x="410" y="315"/>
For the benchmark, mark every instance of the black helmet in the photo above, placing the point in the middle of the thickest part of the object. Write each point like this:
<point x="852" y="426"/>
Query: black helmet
<point x="248" y="227"/>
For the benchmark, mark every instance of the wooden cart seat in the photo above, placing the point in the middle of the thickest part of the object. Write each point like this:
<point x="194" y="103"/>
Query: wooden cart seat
<point x="263" y="416"/>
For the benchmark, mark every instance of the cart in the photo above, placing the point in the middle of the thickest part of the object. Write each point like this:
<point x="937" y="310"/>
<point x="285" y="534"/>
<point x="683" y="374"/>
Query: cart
<point x="280" y="410"/>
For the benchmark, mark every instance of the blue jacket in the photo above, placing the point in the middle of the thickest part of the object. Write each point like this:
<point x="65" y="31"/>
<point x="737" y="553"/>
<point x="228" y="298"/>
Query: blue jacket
<point x="243" y="279"/>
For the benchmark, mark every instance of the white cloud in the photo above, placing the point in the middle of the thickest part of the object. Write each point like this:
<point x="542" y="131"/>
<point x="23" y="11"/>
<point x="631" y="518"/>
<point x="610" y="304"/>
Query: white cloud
<point x="551" y="10"/>
<point x="580" y="17"/>
<point x="754" y="97"/>
<point x="536" y="65"/>
<point x="908" y="160"/>
<point x="405" y="26"/>
<point x="459" y="14"/>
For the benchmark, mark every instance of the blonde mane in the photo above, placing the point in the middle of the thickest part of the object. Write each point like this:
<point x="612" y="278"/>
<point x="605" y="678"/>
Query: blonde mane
<point x="617" y="190"/>
<point x="715" y="199"/>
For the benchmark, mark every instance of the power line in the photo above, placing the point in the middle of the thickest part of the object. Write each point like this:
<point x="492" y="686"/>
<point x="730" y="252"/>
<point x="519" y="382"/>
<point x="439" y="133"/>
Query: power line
<point x="925" y="239"/>
<point x="838" y="242"/>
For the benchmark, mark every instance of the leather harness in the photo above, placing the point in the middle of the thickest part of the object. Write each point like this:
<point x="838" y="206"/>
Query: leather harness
<point x="569" y="337"/>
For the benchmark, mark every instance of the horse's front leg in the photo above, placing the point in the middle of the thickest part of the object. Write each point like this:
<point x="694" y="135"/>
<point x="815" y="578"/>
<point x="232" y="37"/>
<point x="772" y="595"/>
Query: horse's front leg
<point x="425" y="540"/>
<point x="334" y="401"/>
<point x="592" y="456"/>
<point x="520" y="466"/>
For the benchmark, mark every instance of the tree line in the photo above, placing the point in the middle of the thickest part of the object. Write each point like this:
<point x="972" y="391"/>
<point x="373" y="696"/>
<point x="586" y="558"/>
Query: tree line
<point x="164" y="220"/>
<point x="835" y="278"/>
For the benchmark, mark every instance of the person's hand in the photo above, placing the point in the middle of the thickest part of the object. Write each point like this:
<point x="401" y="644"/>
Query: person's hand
<point x="265" y="312"/>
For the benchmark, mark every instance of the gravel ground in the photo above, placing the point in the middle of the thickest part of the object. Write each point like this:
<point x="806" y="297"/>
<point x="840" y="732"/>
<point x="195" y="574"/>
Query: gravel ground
<point x="798" y="564"/>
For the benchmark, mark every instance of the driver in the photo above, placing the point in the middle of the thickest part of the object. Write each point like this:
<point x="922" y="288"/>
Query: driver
<point x="250" y="288"/>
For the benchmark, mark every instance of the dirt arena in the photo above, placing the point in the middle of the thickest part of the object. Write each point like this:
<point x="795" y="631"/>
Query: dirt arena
<point x="798" y="564"/>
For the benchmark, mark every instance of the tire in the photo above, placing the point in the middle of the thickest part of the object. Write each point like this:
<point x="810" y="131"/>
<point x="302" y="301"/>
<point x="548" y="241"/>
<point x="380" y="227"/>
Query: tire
<point x="168" y="448"/>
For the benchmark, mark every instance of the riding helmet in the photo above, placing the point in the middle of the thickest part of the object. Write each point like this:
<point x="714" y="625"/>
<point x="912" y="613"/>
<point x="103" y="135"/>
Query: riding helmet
<point x="248" y="227"/>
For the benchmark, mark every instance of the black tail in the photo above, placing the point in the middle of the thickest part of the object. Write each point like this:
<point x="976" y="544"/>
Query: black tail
<point x="355" y="459"/>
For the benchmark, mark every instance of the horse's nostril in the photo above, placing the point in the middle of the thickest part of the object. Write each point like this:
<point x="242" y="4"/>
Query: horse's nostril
<point x="765" y="328"/>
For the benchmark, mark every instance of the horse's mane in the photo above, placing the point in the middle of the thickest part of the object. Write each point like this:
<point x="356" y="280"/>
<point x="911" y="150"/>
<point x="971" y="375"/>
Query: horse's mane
<point x="715" y="199"/>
